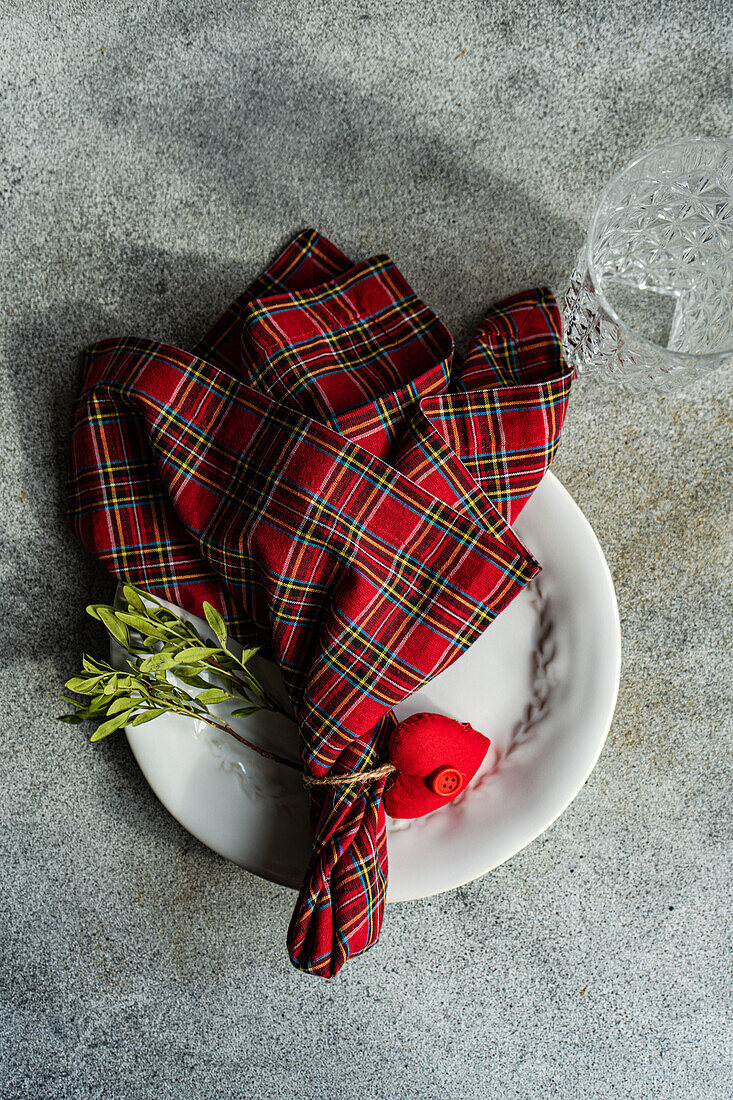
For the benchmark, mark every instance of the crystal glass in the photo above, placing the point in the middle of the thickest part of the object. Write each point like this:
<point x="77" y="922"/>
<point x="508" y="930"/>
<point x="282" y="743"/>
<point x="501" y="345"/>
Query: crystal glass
<point x="650" y="304"/>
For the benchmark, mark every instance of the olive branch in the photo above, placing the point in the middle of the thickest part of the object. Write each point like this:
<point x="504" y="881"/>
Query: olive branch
<point x="158" y="642"/>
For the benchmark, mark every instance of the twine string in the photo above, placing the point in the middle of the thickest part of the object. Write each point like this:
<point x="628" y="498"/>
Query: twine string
<point x="370" y="776"/>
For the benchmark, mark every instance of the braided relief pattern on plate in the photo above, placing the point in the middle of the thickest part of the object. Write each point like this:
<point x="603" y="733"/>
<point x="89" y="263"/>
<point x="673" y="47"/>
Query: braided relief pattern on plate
<point x="536" y="708"/>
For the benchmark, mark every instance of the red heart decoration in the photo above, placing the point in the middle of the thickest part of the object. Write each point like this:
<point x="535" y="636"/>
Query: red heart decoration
<point x="436" y="758"/>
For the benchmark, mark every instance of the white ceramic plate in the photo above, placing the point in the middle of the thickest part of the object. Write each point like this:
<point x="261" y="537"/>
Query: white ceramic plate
<point x="541" y="682"/>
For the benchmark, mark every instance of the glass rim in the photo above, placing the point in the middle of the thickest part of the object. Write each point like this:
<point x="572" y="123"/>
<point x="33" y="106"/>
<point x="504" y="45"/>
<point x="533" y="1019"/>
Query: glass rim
<point x="682" y="356"/>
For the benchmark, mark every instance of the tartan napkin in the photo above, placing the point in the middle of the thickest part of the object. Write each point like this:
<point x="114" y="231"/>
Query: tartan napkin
<point x="325" y="470"/>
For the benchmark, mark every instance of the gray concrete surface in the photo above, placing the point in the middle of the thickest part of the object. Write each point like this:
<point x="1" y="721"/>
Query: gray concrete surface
<point x="152" y="158"/>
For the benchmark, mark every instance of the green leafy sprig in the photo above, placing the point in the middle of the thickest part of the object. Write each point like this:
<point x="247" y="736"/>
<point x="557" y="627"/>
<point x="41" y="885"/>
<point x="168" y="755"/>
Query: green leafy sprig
<point x="158" y="642"/>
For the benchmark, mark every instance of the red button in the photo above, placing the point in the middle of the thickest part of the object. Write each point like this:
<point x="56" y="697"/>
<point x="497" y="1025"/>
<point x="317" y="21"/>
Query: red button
<point x="446" y="782"/>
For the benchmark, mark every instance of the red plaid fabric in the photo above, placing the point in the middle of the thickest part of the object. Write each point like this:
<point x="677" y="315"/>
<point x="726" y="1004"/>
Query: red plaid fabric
<point x="325" y="470"/>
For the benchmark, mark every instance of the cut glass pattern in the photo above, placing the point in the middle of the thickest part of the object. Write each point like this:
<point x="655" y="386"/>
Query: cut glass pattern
<point x="663" y="227"/>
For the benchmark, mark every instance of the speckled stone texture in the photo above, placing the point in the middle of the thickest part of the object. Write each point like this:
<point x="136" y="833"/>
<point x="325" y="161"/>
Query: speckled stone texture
<point x="153" y="157"/>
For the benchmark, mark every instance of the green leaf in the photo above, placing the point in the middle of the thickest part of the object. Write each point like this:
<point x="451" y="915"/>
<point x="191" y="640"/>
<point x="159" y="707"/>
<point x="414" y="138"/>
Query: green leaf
<point x="248" y="654"/>
<point x="133" y="598"/>
<point x="98" y="703"/>
<point x="161" y="614"/>
<point x="158" y="662"/>
<point x="129" y="683"/>
<point x="215" y="621"/>
<point x="90" y="665"/>
<point x="113" y="626"/>
<point x="196" y="653"/>
<point x="83" y="713"/>
<point x="134" y="619"/>
<point x="192" y="679"/>
<point x="244" y="712"/>
<point x="122" y="703"/>
<point x="148" y="628"/>
<point x="110" y="725"/>
<point x="213" y="695"/>
<point x="147" y="716"/>
<point x="254" y="689"/>
<point x="71" y="719"/>
<point x="82" y="685"/>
